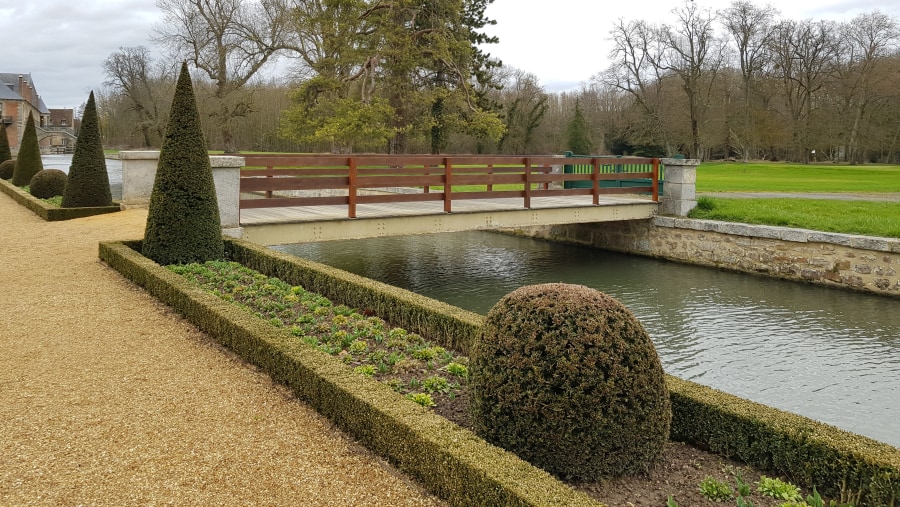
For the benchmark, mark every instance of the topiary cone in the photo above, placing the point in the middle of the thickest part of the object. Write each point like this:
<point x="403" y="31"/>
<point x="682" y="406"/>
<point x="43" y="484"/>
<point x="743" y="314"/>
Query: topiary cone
<point x="28" y="163"/>
<point x="183" y="224"/>
<point x="567" y="378"/>
<point x="5" y="151"/>
<point x="88" y="183"/>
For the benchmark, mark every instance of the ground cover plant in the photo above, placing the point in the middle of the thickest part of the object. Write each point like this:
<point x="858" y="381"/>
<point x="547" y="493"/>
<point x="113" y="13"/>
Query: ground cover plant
<point x="782" y="177"/>
<point x="870" y="218"/>
<point x="429" y="374"/>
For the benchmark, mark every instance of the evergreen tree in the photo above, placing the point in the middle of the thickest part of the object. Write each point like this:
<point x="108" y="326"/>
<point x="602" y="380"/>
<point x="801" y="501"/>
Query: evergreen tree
<point x="578" y="133"/>
<point x="5" y="152"/>
<point x="88" y="181"/>
<point x="183" y="223"/>
<point x="28" y="163"/>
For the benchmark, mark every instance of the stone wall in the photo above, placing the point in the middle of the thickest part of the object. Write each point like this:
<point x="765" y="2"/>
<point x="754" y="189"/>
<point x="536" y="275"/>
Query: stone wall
<point x="863" y="263"/>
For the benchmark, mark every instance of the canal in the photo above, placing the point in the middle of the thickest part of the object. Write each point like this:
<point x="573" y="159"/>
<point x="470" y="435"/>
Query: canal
<point x="827" y="354"/>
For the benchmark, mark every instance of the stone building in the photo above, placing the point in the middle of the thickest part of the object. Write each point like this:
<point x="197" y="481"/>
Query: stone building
<point x="55" y="127"/>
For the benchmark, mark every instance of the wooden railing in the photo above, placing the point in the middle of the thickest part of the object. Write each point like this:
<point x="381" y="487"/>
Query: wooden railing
<point x="433" y="177"/>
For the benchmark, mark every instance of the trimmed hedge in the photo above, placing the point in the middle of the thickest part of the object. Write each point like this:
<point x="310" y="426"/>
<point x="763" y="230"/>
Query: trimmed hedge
<point x="28" y="161"/>
<point x="455" y="327"/>
<point x="88" y="184"/>
<point x="452" y="462"/>
<point x="48" y="211"/>
<point x="806" y="451"/>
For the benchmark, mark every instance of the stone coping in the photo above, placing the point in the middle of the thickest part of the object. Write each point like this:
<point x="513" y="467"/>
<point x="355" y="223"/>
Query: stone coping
<point x="873" y="243"/>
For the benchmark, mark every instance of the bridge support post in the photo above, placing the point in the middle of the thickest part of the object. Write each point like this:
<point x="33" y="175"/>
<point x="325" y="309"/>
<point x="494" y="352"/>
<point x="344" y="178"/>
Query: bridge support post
<point x="139" y="172"/>
<point x="680" y="195"/>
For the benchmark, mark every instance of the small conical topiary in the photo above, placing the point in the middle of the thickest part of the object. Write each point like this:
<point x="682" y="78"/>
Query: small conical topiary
<point x="28" y="163"/>
<point x="88" y="181"/>
<point x="183" y="224"/>
<point x="5" y="152"/>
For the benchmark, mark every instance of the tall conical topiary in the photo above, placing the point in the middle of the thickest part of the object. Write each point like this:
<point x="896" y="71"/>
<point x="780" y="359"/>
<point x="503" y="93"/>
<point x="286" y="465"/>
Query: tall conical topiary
<point x="183" y="224"/>
<point x="88" y="181"/>
<point x="5" y="152"/>
<point x="28" y="163"/>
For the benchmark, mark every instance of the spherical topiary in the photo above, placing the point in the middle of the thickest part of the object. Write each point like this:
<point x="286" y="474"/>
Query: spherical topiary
<point x="567" y="378"/>
<point x="7" y="168"/>
<point x="48" y="183"/>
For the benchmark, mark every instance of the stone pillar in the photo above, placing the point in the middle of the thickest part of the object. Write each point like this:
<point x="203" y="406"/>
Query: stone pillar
<point x="680" y="189"/>
<point x="139" y="173"/>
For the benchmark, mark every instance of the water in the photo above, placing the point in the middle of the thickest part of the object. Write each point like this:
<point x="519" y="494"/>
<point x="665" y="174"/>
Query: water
<point x="113" y="169"/>
<point x="827" y="354"/>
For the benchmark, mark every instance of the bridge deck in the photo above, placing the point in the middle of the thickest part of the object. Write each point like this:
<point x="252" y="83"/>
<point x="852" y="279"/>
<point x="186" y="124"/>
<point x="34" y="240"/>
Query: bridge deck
<point x="321" y="223"/>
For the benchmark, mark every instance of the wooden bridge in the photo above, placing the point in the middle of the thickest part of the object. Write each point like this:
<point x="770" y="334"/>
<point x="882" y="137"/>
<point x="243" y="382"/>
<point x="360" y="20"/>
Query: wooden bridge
<point x="296" y="198"/>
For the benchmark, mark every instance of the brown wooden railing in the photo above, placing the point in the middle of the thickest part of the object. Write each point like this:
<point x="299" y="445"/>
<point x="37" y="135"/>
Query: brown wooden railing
<point x="267" y="175"/>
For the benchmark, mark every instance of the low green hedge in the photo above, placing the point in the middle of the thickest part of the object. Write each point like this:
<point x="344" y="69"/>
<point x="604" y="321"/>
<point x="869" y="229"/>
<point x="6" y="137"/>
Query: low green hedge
<point x="450" y="461"/>
<point x="454" y="327"/>
<point x="49" y="212"/>
<point x="808" y="452"/>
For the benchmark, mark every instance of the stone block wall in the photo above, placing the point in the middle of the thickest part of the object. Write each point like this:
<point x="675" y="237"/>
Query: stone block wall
<point x="863" y="263"/>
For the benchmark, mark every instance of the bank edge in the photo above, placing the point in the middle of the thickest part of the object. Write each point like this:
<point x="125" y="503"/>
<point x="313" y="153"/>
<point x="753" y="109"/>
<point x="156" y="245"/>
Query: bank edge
<point x="49" y="212"/>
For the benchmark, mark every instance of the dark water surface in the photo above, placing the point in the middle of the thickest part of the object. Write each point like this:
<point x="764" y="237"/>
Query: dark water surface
<point x="827" y="354"/>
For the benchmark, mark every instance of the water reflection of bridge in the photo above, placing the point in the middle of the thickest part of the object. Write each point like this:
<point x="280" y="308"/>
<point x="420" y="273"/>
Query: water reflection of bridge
<point x="290" y="199"/>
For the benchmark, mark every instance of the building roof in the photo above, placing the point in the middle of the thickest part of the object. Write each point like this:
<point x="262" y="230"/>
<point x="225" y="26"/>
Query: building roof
<point x="9" y="90"/>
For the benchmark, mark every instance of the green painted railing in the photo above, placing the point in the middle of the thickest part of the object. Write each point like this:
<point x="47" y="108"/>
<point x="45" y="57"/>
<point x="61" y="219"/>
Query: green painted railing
<point x="617" y="165"/>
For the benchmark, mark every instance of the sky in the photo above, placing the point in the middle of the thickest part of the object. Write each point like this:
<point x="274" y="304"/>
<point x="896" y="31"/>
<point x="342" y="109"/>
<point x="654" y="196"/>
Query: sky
<point x="63" y="44"/>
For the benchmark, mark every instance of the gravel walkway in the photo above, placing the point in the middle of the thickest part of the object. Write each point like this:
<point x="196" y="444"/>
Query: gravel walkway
<point x="109" y="398"/>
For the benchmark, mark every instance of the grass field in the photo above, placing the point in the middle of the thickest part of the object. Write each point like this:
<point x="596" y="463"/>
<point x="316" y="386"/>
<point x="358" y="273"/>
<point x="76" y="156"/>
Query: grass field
<point x="871" y="218"/>
<point x="782" y="177"/>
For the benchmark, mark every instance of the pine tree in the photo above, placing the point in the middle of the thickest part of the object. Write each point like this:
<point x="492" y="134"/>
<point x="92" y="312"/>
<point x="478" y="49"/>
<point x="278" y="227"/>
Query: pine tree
<point x="183" y="224"/>
<point x="28" y="163"/>
<point x="88" y="180"/>
<point x="5" y="152"/>
<point x="578" y="133"/>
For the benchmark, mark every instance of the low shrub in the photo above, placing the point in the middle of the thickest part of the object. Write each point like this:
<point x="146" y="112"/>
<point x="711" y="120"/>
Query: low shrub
<point x="7" y="168"/>
<point x="48" y="183"/>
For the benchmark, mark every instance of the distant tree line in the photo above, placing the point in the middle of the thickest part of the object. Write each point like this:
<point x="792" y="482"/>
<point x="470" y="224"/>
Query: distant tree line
<point x="413" y="77"/>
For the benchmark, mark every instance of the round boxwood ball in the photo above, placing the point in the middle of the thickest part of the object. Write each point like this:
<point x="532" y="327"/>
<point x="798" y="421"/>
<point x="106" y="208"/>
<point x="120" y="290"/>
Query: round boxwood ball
<point x="48" y="183"/>
<point x="7" y="168"/>
<point x="567" y="378"/>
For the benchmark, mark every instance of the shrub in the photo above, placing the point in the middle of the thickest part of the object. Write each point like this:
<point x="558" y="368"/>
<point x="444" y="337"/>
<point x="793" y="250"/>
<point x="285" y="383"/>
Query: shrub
<point x="48" y="183"/>
<point x="7" y="168"/>
<point x="88" y="181"/>
<point x="567" y="378"/>
<point x="5" y="151"/>
<point x="183" y="224"/>
<point x="28" y="163"/>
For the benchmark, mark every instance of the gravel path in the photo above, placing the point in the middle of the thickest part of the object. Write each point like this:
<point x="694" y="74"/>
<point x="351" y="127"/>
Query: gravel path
<point x="109" y="398"/>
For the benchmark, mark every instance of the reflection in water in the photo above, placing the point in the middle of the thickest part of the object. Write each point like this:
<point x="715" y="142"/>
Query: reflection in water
<point x="113" y="170"/>
<point x="827" y="354"/>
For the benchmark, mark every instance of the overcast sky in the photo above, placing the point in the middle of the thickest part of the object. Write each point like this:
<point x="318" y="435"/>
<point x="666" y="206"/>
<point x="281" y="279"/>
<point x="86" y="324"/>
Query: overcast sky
<point x="62" y="43"/>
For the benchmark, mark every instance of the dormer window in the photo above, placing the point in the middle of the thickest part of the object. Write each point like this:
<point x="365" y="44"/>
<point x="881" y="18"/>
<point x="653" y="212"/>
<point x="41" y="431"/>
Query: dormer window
<point x="63" y="123"/>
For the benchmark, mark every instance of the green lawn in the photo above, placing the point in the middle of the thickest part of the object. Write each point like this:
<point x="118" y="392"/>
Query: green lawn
<point x="782" y="177"/>
<point x="869" y="218"/>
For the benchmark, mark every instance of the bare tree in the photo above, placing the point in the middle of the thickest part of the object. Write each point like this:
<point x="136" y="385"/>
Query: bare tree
<point x="694" y="54"/>
<point x="145" y="84"/>
<point x="868" y="41"/>
<point x="804" y="61"/>
<point x="229" y="41"/>
<point x="525" y="104"/>
<point x="750" y="27"/>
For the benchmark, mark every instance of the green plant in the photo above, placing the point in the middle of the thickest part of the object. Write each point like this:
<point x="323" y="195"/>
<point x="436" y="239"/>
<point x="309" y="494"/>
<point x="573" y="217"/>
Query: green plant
<point x="365" y="369"/>
<point x="422" y="399"/>
<point x="6" y="169"/>
<point x="671" y="502"/>
<point x="778" y="489"/>
<point x="714" y="489"/>
<point x="183" y="223"/>
<point x="457" y="370"/>
<point x="88" y="180"/>
<point x="436" y="384"/>
<point x="48" y="183"/>
<point x="743" y="488"/>
<point x="28" y="162"/>
<point x="567" y="378"/>
<point x="705" y="203"/>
